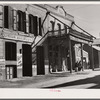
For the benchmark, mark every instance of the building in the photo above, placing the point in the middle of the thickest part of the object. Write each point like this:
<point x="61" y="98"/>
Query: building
<point x="96" y="51"/>
<point x="19" y="25"/>
<point x="64" y="41"/>
<point x="40" y="39"/>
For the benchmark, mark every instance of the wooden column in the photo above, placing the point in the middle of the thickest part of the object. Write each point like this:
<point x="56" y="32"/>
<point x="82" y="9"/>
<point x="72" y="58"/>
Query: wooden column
<point x="82" y="56"/>
<point x="92" y="58"/>
<point x="70" y="55"/>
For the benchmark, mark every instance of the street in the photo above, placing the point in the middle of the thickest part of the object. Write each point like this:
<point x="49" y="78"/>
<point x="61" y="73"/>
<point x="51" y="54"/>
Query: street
<point x="87" y="79"/>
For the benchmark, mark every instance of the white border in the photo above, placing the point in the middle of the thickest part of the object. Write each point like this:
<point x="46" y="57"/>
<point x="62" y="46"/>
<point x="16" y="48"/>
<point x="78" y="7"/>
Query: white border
<point x="17" y="93"/>
<point x="50" y="2"/>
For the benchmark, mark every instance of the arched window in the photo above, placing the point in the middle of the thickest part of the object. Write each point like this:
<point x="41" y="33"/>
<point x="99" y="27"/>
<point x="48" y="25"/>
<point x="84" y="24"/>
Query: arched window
<point x="59" y="28"/>
<point x="52" y="26"/>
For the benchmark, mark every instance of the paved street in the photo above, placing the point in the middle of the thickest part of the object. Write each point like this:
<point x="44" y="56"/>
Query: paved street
<point x="78" y="80"/>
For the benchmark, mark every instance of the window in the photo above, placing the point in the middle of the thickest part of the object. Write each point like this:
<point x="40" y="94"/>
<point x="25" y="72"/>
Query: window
<point x="40" y="29"/>
<point x="10" y="51"/>
<point x="59" y="29"/>
<point x="30" y="23"/>
<point x="21" y="21"/>
<point x="52" y="26"/>
<point x="6" y="24"/>
<point x="8" y="17"/>
<point x="33" y="25"/>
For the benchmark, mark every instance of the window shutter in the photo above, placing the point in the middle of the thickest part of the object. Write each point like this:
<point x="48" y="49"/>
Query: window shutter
<point x="35" y="26"/>
<point x="19" y="20"/>
<point x="24" y="22"/>
<point x="10" y="17"/>
<point x="27" y="22"/>
<point x="6" y="21"/>
<point x="1" y="16"/>
<point x="30" y="23"/>
<point x="14" y="19"/>
<point x="40" y="30"/>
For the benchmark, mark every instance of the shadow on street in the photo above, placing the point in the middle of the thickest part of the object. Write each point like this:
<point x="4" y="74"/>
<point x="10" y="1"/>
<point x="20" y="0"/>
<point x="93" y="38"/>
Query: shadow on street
<point x="95" y="80"/>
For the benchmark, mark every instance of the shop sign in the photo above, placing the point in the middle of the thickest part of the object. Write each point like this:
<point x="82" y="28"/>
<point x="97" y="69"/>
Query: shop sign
<point x="19" y="60"/>
<point x="78" y="40"/>
<point x="17" y="37"/>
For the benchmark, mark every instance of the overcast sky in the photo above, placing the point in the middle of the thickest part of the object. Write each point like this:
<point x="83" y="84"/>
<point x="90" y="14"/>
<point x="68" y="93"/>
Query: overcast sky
<point x="87" y="16"/>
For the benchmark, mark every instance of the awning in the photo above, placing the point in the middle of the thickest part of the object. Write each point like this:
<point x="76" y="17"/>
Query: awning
<point x="96" y="47"/>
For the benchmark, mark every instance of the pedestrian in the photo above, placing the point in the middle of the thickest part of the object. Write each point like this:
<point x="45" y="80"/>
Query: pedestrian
<point x="76" y="66"/>
<point x="79" y="66"/>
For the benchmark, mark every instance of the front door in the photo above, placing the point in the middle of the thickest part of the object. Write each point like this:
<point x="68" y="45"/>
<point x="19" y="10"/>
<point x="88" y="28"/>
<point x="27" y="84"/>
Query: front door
<point x="27" y="60"/>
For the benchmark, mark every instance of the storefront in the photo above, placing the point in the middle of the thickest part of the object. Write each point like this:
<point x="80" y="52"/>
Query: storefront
<point x="67" y="49"/>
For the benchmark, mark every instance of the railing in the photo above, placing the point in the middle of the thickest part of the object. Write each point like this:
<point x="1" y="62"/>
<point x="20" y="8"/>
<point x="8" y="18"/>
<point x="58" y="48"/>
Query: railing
<point x="57" y="33"/>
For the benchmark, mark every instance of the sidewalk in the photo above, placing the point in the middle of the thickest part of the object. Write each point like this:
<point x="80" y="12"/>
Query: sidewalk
<point x="57" y="80"/>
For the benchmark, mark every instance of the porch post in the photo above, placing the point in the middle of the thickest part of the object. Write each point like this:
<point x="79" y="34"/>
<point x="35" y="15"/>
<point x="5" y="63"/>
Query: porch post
<point x="82" y="56"/>
<point x="92" y="58"/>
<point x="70" y="54"/>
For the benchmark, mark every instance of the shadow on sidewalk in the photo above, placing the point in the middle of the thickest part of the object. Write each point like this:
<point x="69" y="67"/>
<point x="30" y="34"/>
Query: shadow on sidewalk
<point x="95" y="80"/>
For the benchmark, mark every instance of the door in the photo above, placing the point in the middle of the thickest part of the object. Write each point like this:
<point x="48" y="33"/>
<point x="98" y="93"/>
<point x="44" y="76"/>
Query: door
<point x="11" y="71"/>
<point x="40" y="60"/>
<point x="27" y="60"/>
<point x="10" y="56"/>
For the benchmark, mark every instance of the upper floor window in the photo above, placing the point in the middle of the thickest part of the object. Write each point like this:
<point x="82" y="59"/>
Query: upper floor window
<point x="52" y="26"/>
<point x="33" y="24"/>
<point x="8" y="14"/>
<point x="21" y="21"/>
<point x="12" y="18"/>
<point x="6" y="24"/>
<point x="59" y="29"/>
<point x="40" y="29"/>
<point x="30" y="23"/>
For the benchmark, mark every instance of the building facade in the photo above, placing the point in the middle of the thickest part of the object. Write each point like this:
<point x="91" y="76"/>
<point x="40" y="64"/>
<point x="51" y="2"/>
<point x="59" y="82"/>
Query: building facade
<point x="40" y="39"/>
<point x="19" y="25"/>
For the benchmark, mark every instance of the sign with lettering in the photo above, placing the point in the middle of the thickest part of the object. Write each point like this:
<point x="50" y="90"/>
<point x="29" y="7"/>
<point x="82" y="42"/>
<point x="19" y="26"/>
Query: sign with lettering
<point x="19" y="60"/>
<point x="17" y="37"/>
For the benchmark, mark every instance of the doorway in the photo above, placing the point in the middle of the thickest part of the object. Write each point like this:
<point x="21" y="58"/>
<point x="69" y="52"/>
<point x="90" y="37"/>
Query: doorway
<point x="10" y="56"/>
<point x="27" y="59"/>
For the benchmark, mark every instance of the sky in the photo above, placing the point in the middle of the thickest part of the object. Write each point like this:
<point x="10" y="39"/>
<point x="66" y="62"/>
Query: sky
<point x="87" y="16"/>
